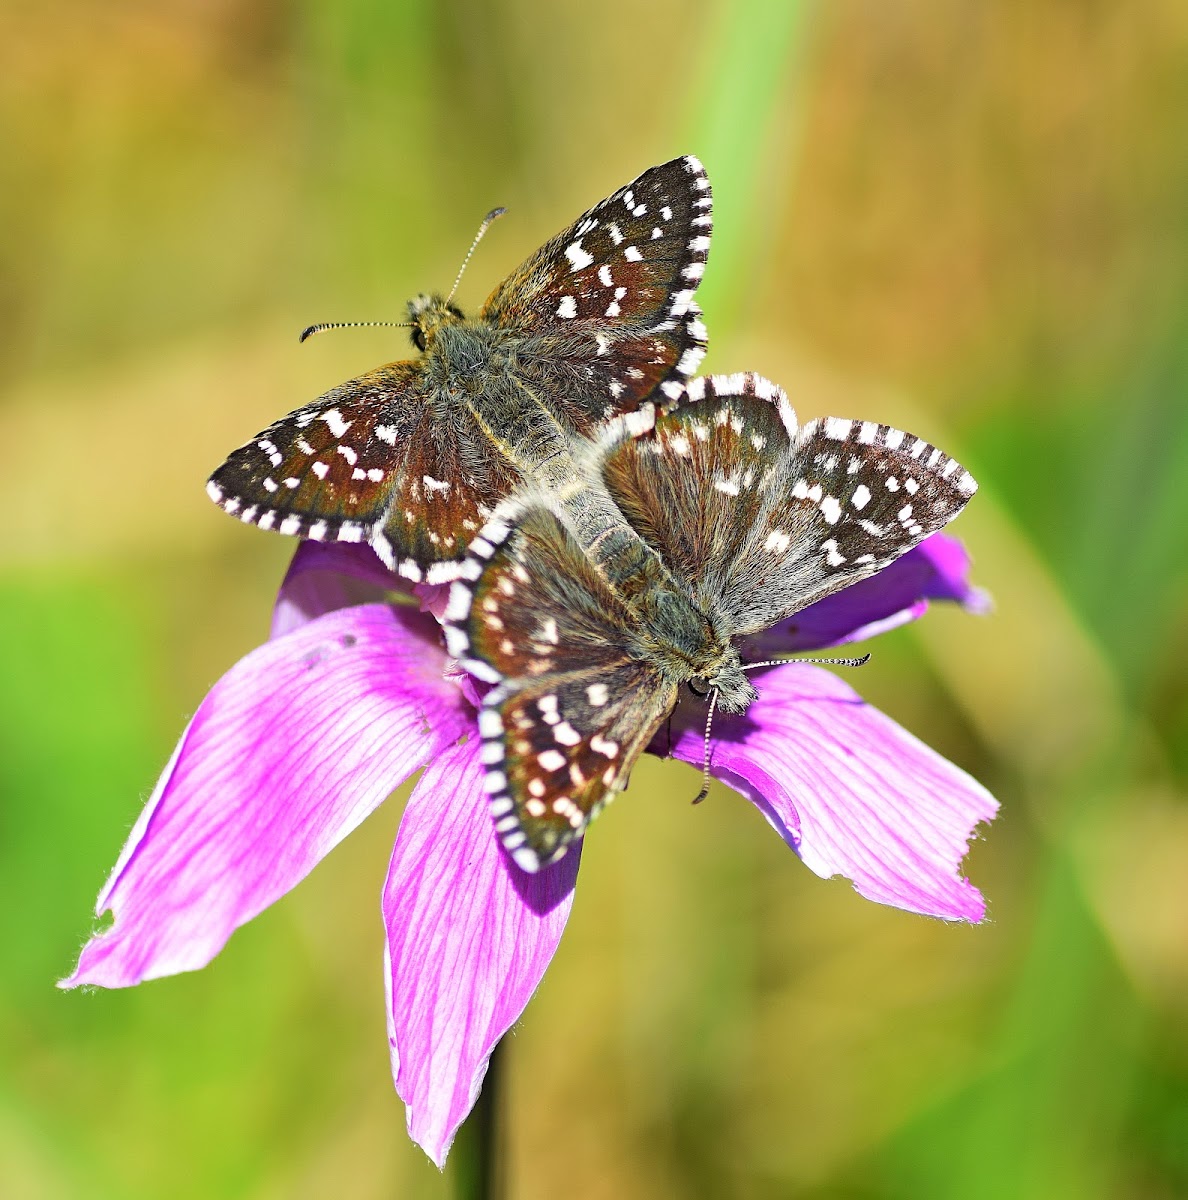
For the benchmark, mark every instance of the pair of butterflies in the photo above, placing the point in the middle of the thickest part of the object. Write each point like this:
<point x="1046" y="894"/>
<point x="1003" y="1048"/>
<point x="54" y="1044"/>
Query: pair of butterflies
<point x="611" y="522"/>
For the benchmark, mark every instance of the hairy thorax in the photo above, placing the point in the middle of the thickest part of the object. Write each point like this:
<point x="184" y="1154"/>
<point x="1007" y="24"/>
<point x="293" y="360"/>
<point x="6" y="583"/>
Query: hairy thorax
<point x="460" y="351"/>
<point x="684" y="642"/>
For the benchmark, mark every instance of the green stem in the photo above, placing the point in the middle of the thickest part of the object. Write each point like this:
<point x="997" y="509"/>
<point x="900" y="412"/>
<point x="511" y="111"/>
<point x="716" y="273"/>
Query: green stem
<point x="478" y="1151"/>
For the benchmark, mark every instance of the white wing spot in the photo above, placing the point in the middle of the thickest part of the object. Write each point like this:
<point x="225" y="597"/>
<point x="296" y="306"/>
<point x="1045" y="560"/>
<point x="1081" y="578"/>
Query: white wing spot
<point x="690" y="360"/>
<point x="603" y="746"/>
<point x="579" y="257"/>
<point x="335" y="423"/>
<point x="567" y="308"/>
<point x="861" y="497"/>
<point x="565" y="734"/>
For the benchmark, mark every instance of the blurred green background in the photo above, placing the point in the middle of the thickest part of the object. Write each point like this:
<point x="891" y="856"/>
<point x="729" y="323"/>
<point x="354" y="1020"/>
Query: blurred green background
<point x="967" y="219"/>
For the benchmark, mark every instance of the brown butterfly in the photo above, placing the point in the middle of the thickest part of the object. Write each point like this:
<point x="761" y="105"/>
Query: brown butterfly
<point x="412" y="457"/>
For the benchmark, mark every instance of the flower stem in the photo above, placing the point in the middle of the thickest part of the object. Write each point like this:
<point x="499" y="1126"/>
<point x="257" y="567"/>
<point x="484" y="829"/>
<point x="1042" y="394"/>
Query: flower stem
<point x="478" y="1150"/>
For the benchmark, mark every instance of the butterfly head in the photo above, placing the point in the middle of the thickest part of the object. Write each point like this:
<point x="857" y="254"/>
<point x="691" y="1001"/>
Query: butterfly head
<point x="735" y="691"/>
<point x="429" y="314"/>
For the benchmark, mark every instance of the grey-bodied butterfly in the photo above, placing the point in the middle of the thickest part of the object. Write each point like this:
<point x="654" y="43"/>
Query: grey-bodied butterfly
<point x="721" y="517"/>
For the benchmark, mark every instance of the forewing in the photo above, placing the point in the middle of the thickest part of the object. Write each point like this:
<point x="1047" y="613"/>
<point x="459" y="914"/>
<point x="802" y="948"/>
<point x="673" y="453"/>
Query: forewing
<point x="761" y="519"/>
<point x="374" y="460"/>
<point x="604" y="311"/>
<point x="572" y="710"/>
<point x="852" y="497"/>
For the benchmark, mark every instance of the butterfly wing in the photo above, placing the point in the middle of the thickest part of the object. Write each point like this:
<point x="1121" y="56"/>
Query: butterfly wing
<point x="572" y="709"/>
<point x="603" y="313"/>
<point x="587" y="328"/>
<point x="761" y="518"/>
<point x="376" y="460"/>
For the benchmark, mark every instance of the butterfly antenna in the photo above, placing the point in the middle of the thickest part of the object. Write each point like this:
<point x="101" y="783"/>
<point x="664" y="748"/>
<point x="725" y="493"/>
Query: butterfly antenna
<point x="310" y="330"/>
<point x="825" y="662"/>
<point x="705" y="775"/>
<point x="491" y="217"/>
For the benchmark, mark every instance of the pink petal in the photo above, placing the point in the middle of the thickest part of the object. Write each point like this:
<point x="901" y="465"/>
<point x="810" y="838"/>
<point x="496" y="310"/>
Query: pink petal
<point x="326" y="576"/>
<point x="849" y="790"/>
<point x="288" y="752"/>
<point x="469" y="938"/>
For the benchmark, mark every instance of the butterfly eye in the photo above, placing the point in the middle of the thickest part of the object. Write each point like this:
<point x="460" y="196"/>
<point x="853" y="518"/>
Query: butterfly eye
<point x="418" y="337"/>
<point x="699" y="686"/>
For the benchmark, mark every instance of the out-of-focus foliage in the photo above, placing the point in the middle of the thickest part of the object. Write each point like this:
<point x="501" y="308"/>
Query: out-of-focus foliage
<point x="969" y="220"/>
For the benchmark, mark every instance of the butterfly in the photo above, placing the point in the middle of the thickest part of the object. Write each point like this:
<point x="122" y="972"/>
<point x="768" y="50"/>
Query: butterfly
<point x="412" y="457"/>
<point x="735" y="519"/>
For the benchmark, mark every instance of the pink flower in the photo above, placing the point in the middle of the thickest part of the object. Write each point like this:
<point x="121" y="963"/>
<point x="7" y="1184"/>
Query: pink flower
<point x="352" y="694"/>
